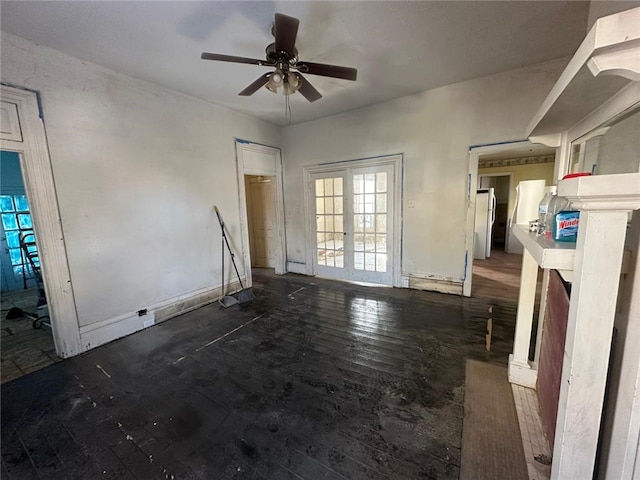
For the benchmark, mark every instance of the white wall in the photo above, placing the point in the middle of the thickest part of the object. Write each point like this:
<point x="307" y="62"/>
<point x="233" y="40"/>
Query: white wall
<point x="137" y="169"/>
<point x="603" y="8"/>
<point x="434" y="131"/>
<point x="619" y="148"/>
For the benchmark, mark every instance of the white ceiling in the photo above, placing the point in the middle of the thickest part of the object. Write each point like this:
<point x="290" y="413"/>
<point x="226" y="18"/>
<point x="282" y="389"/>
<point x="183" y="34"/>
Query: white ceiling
<point x="535" y="150"/>
<point x="398" y="47"/>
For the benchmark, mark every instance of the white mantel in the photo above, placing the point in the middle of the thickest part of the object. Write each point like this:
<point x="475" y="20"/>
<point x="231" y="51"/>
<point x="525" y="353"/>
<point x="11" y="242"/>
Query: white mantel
<point x="600" y="84"/>
<point x="594" y="265"/>
<point x="602" y="192"/>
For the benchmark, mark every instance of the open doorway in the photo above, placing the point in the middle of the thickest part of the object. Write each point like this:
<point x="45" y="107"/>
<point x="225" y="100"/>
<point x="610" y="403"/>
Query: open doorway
<point x="261" y="207"/>
<point x="27" y="343"/>
<point x="521" y="166"/>
<point x="261" y="220"/>
<point x="23" y="134"/>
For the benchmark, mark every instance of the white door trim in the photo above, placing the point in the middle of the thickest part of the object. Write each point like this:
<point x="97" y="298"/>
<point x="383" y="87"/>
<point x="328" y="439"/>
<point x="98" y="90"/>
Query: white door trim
<point x="396" y="161"/>
<point x="41" y="192"/>
<point x="281" y="257"/>
<point x="472" y="181"/>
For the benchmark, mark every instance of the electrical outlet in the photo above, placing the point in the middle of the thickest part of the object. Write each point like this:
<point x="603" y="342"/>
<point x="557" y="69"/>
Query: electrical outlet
<point x="148" y="323"/>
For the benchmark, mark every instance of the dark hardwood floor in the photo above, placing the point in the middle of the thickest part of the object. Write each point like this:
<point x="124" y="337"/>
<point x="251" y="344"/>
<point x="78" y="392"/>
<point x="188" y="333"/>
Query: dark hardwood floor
<point x="499" y="277"/>
<point x="314" y="379"/>
<point x="23" y="349"/>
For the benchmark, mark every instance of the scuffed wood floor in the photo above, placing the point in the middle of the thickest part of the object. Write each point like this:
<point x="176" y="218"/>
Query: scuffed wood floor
<point x="315" y="379"/>
<point x="499" y="277"/>
<point x="24" y="349"/>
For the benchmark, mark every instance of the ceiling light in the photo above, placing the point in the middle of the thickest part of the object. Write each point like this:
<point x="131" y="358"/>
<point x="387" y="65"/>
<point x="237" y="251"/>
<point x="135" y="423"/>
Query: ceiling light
<point x="291" y="84"/>
<point x="275" y="81"/>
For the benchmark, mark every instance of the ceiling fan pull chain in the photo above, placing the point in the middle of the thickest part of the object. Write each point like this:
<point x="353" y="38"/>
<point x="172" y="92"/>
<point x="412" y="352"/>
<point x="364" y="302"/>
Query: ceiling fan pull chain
<point x="287" y="110"/>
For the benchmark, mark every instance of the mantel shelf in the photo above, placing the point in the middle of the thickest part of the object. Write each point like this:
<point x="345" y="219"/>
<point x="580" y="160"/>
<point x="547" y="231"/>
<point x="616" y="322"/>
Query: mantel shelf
<point x="610" y="50"/>
<point x="546" y="252"/>
<point x="556" y="255"/>
<point x="603" y="192"/>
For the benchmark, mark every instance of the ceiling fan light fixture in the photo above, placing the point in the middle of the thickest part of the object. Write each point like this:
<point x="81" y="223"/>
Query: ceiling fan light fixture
<point x="293" y="80"/>
<point x="275" y="80"/>
<point x="291" y="83"/>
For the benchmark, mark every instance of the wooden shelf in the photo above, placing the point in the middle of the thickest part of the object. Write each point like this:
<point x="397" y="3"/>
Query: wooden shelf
<point x="546" y="252"/>
<point x="605" y="64"/>
<point x="599" y="192"/>
<point x="556" y="255"/>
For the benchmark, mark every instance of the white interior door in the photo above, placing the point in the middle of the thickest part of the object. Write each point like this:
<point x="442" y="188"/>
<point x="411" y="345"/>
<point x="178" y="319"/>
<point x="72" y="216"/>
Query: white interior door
<point x="262" y="221"/>
<point x="354" y="218"/>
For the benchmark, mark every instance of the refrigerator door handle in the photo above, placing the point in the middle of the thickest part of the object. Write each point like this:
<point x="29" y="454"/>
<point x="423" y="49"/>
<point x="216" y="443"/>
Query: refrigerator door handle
<point x="494" y="204"/>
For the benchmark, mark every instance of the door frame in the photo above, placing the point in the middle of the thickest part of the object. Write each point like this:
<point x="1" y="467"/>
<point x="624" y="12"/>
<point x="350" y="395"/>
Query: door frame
<point x="397" y="162"/>
<point x="37" y="174"/>
<point x="475" y="152"/>
<point x="502" y="174"/>
<point x="243" y="146"/>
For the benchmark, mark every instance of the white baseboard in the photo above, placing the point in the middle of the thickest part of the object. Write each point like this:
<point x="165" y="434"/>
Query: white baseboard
<point x="296" y="267"/>
<point x="433" y="284"/>
<point x="99" y="333"/>
<point x="522" y="374"/>
<point x="93" y="336"/>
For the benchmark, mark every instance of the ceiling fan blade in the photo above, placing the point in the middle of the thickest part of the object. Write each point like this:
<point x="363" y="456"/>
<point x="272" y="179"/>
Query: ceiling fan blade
<point x="335" y="71"/>
<point x="231" y="58"/>
<point x="255" y="86"/>
<point x="307" y="90"/>
<point x="286" y="31"/>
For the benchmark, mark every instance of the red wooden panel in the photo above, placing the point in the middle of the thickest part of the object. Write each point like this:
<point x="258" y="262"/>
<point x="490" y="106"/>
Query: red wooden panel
<point x="552" y="353"/>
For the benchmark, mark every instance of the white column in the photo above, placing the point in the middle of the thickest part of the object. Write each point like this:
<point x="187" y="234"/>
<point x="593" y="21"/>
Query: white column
<point x="520" y="371"/>
<point x="622" y="453"/>
<point x="592" y="307"/>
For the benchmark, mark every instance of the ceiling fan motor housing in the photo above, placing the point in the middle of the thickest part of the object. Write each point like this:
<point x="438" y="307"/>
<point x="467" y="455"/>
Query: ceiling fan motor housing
<point x="281" y="57"/>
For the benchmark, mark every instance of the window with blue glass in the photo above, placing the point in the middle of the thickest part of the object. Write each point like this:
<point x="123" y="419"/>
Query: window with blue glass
<point x="16" y="220"/>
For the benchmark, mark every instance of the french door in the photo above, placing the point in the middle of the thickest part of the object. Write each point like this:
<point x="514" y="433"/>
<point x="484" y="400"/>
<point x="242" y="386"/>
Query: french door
<point x="354" y="216"/>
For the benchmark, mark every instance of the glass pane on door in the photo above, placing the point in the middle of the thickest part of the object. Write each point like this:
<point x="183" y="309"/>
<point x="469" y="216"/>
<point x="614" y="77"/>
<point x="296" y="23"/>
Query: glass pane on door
<point x="353" y="223"/>
<point x="370" y="217"/>
<point x="329" y="222"/>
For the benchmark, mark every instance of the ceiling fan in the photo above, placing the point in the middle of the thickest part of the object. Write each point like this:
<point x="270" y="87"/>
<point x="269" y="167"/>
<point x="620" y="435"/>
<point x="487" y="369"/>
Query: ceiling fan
<point x="283" y="55"/>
